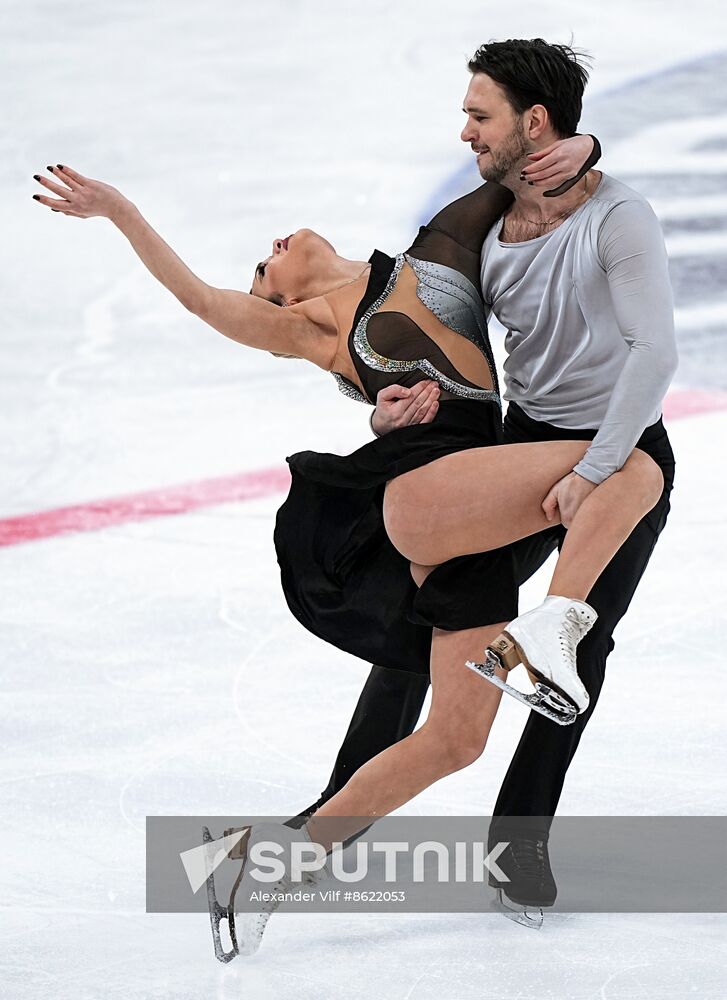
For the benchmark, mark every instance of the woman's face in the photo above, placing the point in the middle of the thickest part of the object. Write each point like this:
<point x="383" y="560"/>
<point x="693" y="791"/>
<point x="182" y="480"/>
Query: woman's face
<point x="295" y="270"/>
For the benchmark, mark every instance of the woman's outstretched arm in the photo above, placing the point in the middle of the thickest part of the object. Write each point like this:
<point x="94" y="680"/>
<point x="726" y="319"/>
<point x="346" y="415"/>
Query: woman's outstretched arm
<point x="244" y="318"/>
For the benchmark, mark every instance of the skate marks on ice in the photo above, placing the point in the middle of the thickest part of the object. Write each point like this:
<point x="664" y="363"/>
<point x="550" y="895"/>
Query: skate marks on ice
<point x="105" y="693"/>
<point x="182" y="757"/>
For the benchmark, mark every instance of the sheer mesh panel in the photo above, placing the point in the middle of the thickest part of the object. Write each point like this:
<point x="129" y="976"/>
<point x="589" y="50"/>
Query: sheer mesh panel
<point x="404" y="329"/>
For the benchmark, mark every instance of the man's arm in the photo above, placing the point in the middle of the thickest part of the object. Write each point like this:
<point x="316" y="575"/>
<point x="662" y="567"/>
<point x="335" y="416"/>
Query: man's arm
<point x="631" y="250"/>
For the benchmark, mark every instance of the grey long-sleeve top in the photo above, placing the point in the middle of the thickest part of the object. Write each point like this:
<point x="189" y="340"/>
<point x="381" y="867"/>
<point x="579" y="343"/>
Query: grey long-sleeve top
<point x="588" y="311"/>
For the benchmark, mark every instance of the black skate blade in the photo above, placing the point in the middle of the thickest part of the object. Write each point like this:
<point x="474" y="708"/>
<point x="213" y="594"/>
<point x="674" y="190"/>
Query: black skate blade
<point x="545" y="700"/>
<point x="218" y="913"/>
<point x="526" y="916"/>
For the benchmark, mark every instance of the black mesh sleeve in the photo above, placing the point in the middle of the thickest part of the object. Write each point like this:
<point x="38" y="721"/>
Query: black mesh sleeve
<point x="454" y="237"/>
<point x="567" y="185"/>
<point x="468" y="219"/>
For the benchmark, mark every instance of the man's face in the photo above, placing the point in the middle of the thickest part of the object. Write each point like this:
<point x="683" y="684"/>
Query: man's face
<point x="494" y="131"/>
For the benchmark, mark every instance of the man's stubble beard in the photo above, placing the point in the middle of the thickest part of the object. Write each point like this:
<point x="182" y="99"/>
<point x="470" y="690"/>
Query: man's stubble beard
<point x="506" y="158"/>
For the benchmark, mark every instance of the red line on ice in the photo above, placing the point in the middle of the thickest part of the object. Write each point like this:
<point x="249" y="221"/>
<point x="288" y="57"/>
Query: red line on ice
<point x="186" y="497"/>
<point x="689" y="402"/>
<point x="180" y="499"/>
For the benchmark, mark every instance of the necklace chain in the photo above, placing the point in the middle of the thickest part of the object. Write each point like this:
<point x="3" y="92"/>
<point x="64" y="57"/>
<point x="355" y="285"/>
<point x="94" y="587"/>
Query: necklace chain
<point x="557" y="218"/>
<point x="351" y="280"/>
<point x="344" y="283"/>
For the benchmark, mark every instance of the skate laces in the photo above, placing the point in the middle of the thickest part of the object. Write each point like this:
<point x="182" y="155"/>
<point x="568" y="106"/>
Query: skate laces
<point x="529" y="857"/>
<point x="571" y="631"/>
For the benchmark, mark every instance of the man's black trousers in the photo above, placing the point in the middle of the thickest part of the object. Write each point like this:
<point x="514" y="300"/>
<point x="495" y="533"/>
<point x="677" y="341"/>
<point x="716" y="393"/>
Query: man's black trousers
<point x="391" y="700"/>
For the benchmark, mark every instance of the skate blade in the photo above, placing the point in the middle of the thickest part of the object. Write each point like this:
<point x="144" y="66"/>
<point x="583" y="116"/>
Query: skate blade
<point x="218" y="913"/>
<point x="523" y="915"/>
<point x="545" y="700"/>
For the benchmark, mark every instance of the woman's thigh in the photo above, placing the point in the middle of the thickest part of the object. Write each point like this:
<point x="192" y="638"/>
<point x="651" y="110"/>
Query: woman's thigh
<point x="475" y="500"/>
<point x="463" y="704"/>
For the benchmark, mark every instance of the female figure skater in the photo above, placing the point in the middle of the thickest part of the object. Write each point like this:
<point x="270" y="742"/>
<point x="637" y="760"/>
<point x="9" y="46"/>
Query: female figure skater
<point x="399" y="553"/>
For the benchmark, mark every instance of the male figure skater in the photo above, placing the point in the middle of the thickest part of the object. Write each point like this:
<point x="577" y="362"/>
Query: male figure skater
<point x="581" y="285"/>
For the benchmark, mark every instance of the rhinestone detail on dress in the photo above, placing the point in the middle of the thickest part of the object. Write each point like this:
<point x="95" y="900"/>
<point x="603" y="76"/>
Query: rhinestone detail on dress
<point x="456" y="303"/>
<point x="380" y="363"/>
<point x="349" y="390"/>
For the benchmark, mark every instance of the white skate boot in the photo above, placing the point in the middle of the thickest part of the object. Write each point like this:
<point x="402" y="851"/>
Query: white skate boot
<point x="246" y="928"/>
<point x="545" y="641"/>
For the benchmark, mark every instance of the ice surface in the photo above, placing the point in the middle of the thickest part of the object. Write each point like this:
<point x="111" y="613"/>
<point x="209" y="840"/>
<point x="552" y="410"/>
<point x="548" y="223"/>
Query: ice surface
<point x="141" y="665"/>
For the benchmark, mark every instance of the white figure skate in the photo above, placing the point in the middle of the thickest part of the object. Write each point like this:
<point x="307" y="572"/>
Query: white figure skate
<point x="545" y="641"/>
<point x="246" y="929"/>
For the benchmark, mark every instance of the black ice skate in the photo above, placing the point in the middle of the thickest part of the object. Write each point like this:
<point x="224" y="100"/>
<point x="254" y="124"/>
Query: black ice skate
<point x="526" y="916"/>
<point x="531" y="887"/>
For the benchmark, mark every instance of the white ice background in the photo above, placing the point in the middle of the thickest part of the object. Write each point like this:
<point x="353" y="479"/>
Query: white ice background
<point x="153" y="668"/>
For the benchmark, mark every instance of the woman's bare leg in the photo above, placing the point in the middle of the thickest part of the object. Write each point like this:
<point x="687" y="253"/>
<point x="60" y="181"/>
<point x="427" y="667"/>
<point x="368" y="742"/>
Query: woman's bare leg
<point x="467" y="502"/>
<point x="602" y="524"/>
<point x="453" y="736"/>
<point x="483" y="498"/>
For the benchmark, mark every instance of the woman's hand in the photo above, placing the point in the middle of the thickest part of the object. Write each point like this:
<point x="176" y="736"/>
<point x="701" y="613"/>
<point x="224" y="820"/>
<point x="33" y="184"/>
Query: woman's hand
<point x="80" y="196"/>
<point x="558" y="162"/>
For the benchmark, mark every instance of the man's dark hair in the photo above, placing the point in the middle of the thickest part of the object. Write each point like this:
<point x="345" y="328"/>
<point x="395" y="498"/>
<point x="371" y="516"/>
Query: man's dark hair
<point x="532" y="71"/>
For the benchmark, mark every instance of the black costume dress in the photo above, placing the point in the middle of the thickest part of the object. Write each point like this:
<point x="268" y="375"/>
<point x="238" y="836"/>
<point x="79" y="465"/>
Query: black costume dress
<point x="420" y="317"/>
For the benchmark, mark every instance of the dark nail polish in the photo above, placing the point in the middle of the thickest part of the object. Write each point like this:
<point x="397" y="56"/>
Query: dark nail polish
<point x="61" y="167"/>
<point x="49" y="168"/>
<point x="37" y="197"/>
<point x="36" y="177"/>
<point x="531" y="183"/>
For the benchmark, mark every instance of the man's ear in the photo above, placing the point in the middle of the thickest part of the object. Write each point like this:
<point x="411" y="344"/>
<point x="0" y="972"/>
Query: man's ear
<point x="291" y="302"/>
<point x="538" y="122"/>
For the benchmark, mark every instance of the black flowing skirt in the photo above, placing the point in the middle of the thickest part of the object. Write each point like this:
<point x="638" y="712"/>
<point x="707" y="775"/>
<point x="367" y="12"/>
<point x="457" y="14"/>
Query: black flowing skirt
<point x="344" y="580"/>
